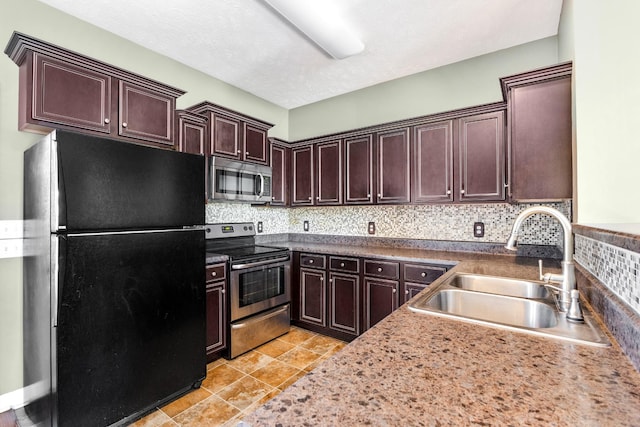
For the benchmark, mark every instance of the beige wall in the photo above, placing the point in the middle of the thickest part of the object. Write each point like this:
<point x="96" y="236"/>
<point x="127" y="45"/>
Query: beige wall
<point x="463" y="84"/>
<point x="43" y="22"/>
<point x="607" y="65"/>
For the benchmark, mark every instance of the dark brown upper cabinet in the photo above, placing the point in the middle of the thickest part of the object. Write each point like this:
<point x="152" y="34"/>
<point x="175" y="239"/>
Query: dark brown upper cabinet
<point x="60" y="89"/>
<point x="394" y="173"/>
<point x="191" y="132"/>
<point x="329" y="173"/>
<point x="302" y="176"/>
<point x="358" y="170"/>
<point x="481" y="167"/>
<point x="234" y="135"/>
<point x="280" y="161"/>
<point x="433" y="163"/>
<point x="539" y="134"/>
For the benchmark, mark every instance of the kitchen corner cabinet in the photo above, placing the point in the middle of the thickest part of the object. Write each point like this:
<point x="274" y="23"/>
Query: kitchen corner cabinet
<point x="540" y="134"/>
<point x="302" y="190"/>
<point x="60" y="89"/>
<point x="216" y="285"/>
<point x="234" y="135"/>
<point x="280" y="164"/>
<point x="358" y="170"/>
<point x="191" y="133"/>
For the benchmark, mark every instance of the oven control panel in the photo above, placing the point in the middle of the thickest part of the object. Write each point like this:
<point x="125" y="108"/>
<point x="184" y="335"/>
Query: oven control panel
<point x="238" y="229"/>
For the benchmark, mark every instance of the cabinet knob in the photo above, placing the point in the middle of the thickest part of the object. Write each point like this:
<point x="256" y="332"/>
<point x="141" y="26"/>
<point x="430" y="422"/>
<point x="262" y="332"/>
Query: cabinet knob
<point x="322" y="279"/>
<point x="124" y="124"/>
<point x="107" y="121"/>
<point x="394" y="290"/>
<point x="423" y="274"/>
<point x="379" y="269"/>
<point x="330" y="280"/>
<point x="246" y="153"/>
<point x="379" y="195"/>
<point x="222" y="291"/>
<point x="214" y="274"/>
<point x="342" y="264"/>
<point x="239" y="151"/>
<point x="406" y="292"/>
<point x="368" y="196"/>
<point x="310" y="261"/>
<point x="310" y="198"/>
<point x="462" y="191"/>
<point x="273" y="197"/>
<point x="448" y="192"/>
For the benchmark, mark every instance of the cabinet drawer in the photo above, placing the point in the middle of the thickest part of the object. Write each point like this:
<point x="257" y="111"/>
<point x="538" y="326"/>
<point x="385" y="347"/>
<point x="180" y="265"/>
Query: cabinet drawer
<point x="421" y="273"/>
<point x="385" y="269"/>
<point x="312" y="261"/>
<point x="350" y="265"/>
<point x="215" y="272"/>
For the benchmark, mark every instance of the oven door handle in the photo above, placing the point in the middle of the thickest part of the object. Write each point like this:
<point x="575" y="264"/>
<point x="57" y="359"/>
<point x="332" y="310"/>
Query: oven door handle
<point x="259" y="263"/>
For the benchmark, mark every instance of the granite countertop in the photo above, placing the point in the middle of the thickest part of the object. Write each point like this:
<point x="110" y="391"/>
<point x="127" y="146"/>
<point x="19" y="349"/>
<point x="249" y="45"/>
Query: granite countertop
<point x="415" y="369"/>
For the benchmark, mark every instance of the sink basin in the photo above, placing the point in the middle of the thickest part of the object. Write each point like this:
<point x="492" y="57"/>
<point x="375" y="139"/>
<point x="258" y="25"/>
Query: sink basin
<point x="506" y="310"/>
<point x="512" y="304"/>
<point x="500" y="286"/>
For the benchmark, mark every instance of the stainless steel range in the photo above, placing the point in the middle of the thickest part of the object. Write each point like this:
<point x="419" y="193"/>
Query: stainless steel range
<point x="259" y="287"/>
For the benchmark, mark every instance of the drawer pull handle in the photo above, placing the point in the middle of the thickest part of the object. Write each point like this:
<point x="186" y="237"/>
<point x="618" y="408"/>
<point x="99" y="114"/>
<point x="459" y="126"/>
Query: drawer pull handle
<point x="342" y="264"/>
<point x="379" y="269"/>
<point x="214" y="274"/>
<point x="310" y="261"/>
<point x="423" y="274"/>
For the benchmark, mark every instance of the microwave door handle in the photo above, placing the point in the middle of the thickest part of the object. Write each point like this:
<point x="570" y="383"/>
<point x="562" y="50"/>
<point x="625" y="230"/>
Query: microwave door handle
<point x="261" y="192"/>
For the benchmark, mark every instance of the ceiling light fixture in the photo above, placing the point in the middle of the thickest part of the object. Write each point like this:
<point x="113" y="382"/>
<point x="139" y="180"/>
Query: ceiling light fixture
<point x="320" y="24"/>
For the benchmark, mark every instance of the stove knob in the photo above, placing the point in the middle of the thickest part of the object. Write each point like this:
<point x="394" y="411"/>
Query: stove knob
<point x="245" y="228"/>
<point x="251" y="227"/>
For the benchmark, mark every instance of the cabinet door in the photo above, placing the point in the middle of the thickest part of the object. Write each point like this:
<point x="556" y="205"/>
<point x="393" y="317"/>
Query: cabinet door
<point x="192" y="133"/>
<point x="302" y="176"/>
<point x="433" y="163"/>
<point x="313" y="296"/>
<point x="225" y="136"/>
<point x="381" y="299"/>
<point x="482" y="161"/>
<point x="145" y="114"/>
<point x="255" y="145"/>
<point x="358" y="176"/>
<point x="344" y="303"/>
<point x="329" y="173"/>
<point x="64" y="94"/>
<point x="412" y="289"/>
<point x="280" y="175"/>
<point x="393" y="167"/>
<point x="216" y="317"/>
<point x="540" y="127"/>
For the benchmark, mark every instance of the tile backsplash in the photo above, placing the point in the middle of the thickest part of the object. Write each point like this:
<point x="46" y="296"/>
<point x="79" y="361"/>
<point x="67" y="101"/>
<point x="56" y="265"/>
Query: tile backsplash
<point x="429" y="222"/>
<point x="617" y="268"/>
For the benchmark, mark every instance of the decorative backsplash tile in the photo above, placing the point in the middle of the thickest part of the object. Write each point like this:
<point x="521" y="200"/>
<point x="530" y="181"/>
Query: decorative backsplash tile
<point x="617" y="268"/>
<point x="429" y="222"/>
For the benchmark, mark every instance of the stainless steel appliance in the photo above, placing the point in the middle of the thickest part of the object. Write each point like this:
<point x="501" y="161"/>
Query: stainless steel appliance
<point x="231" y="180"/>
<point x="259" y="288"/>
<point x="114" y="294"/>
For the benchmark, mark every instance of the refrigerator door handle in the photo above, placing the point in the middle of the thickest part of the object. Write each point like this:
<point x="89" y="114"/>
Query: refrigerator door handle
<point x="57" y="275"/>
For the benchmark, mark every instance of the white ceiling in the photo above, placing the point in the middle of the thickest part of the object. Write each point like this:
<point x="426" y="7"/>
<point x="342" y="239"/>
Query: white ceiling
<point x="246" y="44"/>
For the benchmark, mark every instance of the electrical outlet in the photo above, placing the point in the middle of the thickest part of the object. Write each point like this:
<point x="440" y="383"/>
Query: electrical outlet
<point x="305" y="226"/>
<point x="372" y="227"/>
<point x="259" y="226"/>
<point x="478" y="229"/>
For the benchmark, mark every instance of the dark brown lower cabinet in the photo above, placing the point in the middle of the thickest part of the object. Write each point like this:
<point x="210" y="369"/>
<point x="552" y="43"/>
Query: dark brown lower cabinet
<point x="216" y="286"/>
<point x="358" y="294"/>
<point x="381" y="299"/>
<point x="344" y="303"/>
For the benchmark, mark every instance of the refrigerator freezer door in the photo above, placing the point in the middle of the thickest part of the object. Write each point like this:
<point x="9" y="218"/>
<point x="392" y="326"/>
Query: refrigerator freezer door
<point x="100" y="184"/>
<point x="131" y="323"/>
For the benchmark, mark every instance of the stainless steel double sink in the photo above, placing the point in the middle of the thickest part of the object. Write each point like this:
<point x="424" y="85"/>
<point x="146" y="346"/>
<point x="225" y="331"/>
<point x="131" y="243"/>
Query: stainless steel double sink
<point x="513" y="304"/>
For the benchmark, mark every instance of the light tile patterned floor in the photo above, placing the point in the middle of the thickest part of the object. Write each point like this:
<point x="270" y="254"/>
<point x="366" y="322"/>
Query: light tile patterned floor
<point x="235" y="388"/>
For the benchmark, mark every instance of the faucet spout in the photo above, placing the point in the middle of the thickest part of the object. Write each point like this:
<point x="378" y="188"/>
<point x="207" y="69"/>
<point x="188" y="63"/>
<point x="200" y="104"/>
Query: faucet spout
<point x="568" y="277"/>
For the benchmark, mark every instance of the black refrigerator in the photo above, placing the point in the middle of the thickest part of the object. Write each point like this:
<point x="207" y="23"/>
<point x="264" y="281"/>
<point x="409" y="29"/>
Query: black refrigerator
<point x="114" y="280"/>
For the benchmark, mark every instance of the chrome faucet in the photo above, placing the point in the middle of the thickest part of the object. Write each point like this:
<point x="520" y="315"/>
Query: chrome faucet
<point x="567" y="279"/>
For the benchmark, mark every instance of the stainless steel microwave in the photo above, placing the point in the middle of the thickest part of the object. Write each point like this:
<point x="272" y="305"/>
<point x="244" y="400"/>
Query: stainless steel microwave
<point x="231" y="180"/>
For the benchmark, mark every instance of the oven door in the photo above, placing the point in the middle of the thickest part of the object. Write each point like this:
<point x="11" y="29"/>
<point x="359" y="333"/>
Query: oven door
<point x="259" y="286"/>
